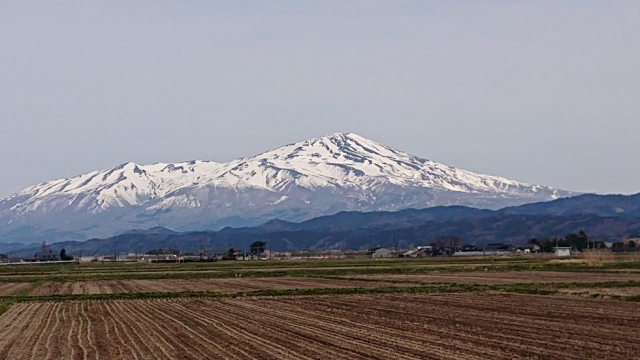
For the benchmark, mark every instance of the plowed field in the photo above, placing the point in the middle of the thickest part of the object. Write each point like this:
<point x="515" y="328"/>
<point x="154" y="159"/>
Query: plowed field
<point x="7" y="289"/>
<point x="604" y="291"/>
<point x="225" y="285"/>
<point x="511" y="277"/>
<point x="442" y="326"/>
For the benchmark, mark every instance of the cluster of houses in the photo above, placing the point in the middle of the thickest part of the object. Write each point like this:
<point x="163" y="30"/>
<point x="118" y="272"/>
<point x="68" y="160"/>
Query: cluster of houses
<point x="44" y="255"/>
<point x="175" y="256"/>
<point x="420" y="251"/>
<point x="495" y="249"/>
<point x="492" y="249"/>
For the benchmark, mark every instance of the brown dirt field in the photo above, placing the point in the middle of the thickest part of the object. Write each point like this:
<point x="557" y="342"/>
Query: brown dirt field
<point x="618" y="271"/>
<point x="620" y="291"/>
<point x="224" y="285"/>
<point x="510" y="277"/>
<point x="8" y="289"/>
<point x="399" y="326"/>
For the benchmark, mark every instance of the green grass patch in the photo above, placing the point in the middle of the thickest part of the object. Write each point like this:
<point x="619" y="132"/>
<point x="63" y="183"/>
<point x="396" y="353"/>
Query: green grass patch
<point x="634" y="298"/>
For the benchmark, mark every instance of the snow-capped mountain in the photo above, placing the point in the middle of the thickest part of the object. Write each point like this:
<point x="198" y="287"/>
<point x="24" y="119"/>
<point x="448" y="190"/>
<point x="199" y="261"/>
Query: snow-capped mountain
<point x="295" y="182"/>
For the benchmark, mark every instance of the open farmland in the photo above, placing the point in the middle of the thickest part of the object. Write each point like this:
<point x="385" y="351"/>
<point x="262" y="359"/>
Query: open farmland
<point x="439" y="326"/>
<point x="404" y="309"/>
<point x="507" y="277"/>
<point x="603" y="291"/>
<point x="222" y="285"/>
<point x="7" y="289"/>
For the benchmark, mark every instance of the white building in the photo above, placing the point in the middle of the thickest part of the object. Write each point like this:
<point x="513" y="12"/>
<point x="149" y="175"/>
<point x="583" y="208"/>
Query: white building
<point x="381" y="252"/>
<point x="562" y="251"/>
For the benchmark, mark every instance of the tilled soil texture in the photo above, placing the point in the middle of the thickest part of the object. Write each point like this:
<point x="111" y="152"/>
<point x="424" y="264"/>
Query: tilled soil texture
<point x="509" y="277"/>
<point x="8" y="289"/>
<point x="603" y="291"/>
<point x="224" y="285"/>
<point x="398" y="326"/>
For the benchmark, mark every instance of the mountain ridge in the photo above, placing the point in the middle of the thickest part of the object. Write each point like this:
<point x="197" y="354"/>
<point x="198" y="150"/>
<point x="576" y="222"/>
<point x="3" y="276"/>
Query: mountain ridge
<point x="296" y="182"/>
<point x="353" y="230"/>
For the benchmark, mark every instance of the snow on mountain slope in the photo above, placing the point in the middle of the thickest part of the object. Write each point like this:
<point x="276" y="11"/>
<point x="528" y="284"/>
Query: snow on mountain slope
<point x="349" y="160"/>
<point x="125" y="185"/>
<point x="294" y="182"/>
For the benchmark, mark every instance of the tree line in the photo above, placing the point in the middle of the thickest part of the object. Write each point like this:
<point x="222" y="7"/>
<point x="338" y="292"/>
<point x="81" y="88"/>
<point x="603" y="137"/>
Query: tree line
<point x="580" y="241"/>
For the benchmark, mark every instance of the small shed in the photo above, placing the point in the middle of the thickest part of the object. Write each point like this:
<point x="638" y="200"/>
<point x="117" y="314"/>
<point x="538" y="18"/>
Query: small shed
<point x="381" y="252"/>
<point x="562" y="251"/>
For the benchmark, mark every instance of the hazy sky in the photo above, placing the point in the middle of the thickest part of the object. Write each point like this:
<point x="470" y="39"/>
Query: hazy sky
<point x="543" y="92"/>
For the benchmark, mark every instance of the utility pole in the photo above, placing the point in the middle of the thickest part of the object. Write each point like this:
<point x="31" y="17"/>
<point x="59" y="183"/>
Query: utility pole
<point x="450" y="245"/>
<point x="484" y="247"/>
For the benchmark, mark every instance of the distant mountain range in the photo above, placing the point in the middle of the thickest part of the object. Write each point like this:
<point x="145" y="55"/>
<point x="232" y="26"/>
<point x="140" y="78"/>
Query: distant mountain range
<point x="603" y="217"/>
<point x="297" y="182"/>
<point x="588" y="204"/>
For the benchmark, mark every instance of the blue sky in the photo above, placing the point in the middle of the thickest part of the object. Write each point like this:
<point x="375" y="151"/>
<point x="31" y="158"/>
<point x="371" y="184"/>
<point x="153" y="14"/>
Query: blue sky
<point x="542" y="92"/>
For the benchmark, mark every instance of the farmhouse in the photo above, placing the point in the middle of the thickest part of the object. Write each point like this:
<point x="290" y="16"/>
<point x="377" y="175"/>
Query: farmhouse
<point x="45" y="254"/>
<point x="420" y="251"/>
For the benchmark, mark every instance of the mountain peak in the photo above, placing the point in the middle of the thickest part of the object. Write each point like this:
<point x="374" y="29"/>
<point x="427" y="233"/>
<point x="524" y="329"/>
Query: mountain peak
<point x="320" y="176"/>
<point x="346" y="148"/>
<point x="346" y="136"/>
